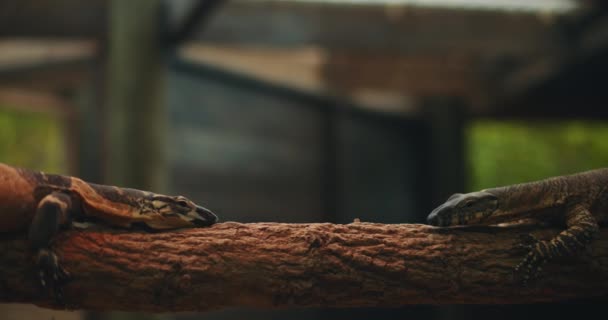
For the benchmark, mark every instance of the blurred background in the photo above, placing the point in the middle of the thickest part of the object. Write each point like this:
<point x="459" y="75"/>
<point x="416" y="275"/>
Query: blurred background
<point x="306" y="111"/>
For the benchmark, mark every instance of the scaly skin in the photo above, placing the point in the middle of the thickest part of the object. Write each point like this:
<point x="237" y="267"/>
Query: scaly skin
<point x="579" y="201"/>
<point x="45" y="203"/>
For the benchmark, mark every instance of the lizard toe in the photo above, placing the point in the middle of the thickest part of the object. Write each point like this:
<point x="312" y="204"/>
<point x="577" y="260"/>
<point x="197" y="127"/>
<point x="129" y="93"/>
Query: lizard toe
<point x="529" y="269"/>
<point x="526" y="243"/>
<point x="51" y="274"/>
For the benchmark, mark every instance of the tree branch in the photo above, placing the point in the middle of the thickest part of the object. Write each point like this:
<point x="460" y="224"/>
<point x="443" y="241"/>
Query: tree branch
<point x="272" y="265"/>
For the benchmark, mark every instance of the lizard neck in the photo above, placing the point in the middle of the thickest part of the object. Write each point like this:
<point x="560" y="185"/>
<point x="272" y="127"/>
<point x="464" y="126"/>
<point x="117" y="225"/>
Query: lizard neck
<point x="120" y="206"/>
<point x="525" y="200"/>
<point x="529" y="200"/>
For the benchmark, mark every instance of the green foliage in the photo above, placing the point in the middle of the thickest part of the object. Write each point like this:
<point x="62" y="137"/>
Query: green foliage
<point x="32" y="140"/>
<point x="503" y="153"/>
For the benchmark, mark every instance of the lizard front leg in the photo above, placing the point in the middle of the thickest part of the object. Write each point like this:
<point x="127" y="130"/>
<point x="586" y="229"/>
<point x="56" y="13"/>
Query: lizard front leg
<point x="52" y="213"/>
<point x="581" y="229"/>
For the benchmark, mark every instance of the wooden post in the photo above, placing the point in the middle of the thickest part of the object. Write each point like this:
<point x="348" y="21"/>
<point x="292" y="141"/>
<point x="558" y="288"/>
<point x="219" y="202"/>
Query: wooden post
<point x="446" y="119"/>
<point x="136" y="125"/>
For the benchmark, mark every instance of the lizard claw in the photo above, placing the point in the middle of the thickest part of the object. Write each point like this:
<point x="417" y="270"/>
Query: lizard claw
<point x="527" y="242"/>
<point x="52" y="276"/>
<point x="530" y="267"/>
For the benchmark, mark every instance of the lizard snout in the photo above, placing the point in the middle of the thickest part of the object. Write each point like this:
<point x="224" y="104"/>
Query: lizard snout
<point x="439" y="217"/>
<point x="205" y="217"/>
<point x="432" y="219"/>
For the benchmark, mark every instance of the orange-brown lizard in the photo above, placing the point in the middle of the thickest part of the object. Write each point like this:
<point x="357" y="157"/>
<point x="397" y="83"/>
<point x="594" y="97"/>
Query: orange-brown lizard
<point x="43" y="204"/>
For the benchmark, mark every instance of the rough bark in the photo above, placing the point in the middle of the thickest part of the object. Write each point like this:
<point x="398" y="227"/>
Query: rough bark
<point x="272" y="265"/>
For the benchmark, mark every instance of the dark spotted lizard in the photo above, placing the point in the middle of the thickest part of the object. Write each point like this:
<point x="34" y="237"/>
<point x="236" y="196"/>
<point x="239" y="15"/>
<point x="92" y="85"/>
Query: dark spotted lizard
<point x="42" y="204"/>
<point x="578" y="201"/>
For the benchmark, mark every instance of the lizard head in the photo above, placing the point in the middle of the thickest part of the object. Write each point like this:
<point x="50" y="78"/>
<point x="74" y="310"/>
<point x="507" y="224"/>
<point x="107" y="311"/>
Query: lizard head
<point x="460" y="209"/>
<point x="177" y="212"/>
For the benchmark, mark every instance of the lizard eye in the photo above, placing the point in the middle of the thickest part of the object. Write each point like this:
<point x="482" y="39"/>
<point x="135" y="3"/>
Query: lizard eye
<point x="181" y="200"/>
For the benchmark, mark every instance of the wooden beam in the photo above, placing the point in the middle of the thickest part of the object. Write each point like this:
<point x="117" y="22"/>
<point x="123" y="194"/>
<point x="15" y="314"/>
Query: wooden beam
<point x="403" y="29"/>
<point x="271" y="23"/>
<point x="37" y="102"/>
<point x="46" y="65"/>
<point x="296" y="24"/>
<point x="56" y="77"/>
<point x="563" y="84"/>
<point x="343" y="72"/>
<point x="60" y="18"/>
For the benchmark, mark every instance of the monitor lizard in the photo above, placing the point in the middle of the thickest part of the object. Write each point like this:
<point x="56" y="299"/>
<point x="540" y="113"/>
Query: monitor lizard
<point x="42" y="204"/>
<point x="578" y="201"/>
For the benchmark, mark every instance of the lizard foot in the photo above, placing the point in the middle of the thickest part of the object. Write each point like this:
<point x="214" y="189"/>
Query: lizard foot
<point x="531" y="266"/>
<point x="526" y="243"/>
<point x="52" y="276"/>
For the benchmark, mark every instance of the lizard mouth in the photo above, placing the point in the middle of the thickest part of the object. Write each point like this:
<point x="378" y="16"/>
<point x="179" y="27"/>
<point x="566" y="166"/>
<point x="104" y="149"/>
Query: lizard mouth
<point x="205" y="217"/>
<point x="441" y="216"/>
<point x="464" y="209"/>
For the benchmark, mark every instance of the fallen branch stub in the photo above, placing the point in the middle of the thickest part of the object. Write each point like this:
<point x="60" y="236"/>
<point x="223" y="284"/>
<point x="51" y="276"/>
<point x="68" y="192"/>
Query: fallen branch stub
<point x="280" y="265"/>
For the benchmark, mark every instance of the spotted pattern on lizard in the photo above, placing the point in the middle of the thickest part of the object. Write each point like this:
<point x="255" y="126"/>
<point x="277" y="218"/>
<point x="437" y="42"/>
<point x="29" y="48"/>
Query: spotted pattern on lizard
<point x="578" y="201"/>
